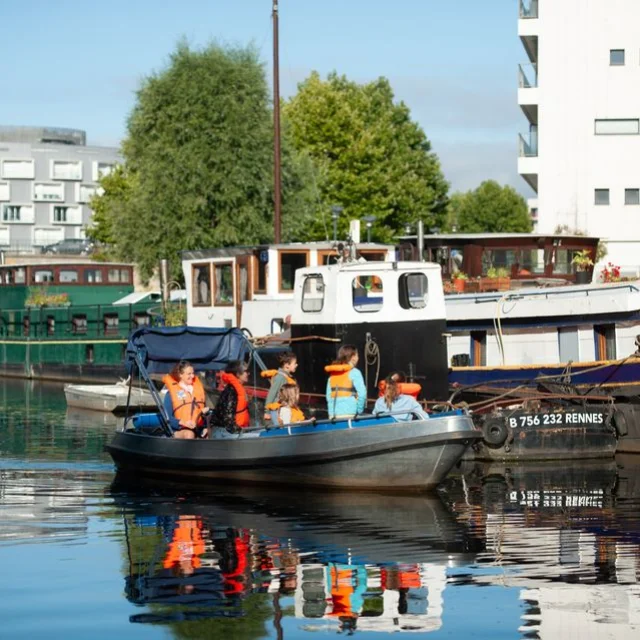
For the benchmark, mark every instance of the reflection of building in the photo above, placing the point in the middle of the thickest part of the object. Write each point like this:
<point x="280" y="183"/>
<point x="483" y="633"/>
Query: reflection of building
<point x="386" y="598"/>
<point x="47" y="178"/>
<point x="31" y="507"/>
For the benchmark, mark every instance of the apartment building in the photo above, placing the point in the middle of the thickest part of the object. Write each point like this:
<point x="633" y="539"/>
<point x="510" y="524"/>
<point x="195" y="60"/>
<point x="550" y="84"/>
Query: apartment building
<point x="47" y="178"/>
<point x="579" y="90"/>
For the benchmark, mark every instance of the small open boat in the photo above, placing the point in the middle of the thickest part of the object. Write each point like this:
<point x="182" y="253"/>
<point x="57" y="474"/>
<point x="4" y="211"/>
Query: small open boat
<point x="367" y="452"/>
<point x="107" y="397"/>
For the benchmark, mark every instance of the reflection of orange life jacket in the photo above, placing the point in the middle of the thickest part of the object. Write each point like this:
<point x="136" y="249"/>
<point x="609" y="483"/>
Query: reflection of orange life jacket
<point x="272" y="373"/>
<point x="187" y="543"/>
<point x="339" y="381"/>
<point x="185" y="406"/>
<point x="233" y="579"/>
<point x="296" y="414"/>
<point x="242" y="408"/>
<point x="341" y="591"/>
<point x="404" y="388"/>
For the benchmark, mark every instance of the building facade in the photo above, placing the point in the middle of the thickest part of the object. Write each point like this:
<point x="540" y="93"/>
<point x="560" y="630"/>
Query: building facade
<point x="47" y="179"/>
<point x="579" y="90"/>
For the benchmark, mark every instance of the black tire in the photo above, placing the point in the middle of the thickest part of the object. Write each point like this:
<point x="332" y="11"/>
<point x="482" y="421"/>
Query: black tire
<point x="495" y="432"/>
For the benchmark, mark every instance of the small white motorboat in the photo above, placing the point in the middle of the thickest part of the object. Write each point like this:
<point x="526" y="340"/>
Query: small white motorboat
<point x="107" y="397"/>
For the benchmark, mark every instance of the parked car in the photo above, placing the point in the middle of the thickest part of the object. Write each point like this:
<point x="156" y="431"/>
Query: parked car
<point x="77" y="246"/>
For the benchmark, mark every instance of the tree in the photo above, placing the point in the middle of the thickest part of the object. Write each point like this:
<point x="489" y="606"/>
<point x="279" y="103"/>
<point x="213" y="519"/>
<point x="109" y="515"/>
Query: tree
<point x="371" y="158"/>
<point x="488" y="209"/>
<point x="198" y="162"/>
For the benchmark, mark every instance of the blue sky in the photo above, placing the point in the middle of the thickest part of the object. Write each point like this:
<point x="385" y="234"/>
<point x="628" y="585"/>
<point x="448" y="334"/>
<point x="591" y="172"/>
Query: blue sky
<point x="77" y="64"/>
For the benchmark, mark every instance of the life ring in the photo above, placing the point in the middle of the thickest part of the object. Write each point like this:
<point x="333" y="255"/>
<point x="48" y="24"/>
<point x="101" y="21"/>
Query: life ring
<point x="621" y="421"/>
<point x="495" y="432"/>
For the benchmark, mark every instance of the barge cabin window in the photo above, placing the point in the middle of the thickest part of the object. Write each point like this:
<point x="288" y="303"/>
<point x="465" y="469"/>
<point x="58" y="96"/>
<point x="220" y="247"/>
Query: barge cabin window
<point x="568" y="344"/>
<point x="92" y="276"/>
<point x="367" y="294"/>
<point x="79" y="324"/>
<point x="313" y="294"/>
<point x="68" y="275"/>
<point x="223" y="283"/>
<point x="478" y="348"/>
<point x="289" y="262"/>
<point x="260" y="261"/>
<point x="201" y="285"/>
<point x="413" y="290"/>
<point x="605" y="341"/>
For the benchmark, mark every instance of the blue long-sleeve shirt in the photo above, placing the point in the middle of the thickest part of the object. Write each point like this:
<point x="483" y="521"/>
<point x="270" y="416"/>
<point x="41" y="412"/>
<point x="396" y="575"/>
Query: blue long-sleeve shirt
<point x="402" y="403"/>
<point x="348" y="405"/>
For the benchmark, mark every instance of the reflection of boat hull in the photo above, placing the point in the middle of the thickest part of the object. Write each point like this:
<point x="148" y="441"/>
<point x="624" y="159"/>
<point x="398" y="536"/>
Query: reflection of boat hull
<point x="107" y="397"/>
<point x="363" y="454"/>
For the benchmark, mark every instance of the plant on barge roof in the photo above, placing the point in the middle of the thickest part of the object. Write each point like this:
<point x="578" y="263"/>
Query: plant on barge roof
<point x="40" y="298"/>
<point x="582" y="260"/>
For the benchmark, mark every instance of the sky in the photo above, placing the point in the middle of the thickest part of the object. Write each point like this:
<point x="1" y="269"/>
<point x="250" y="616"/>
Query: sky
<point x="78" y="64"/>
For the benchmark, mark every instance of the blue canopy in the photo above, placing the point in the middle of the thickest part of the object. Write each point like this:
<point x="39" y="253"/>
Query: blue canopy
<point x="159" y="348"/>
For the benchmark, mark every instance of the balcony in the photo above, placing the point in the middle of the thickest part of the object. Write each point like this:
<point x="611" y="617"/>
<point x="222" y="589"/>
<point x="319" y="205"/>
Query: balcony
<point x="528" y="9"/>
<point x="528" y="91"/>
<point x="528" y="76"/>
<point x="528" y="163"/>
<point x="528" y="147"/>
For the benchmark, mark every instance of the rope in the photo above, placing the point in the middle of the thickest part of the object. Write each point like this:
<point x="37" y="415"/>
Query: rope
<point x="260" y="341"/>
<point x="371" y="358"/>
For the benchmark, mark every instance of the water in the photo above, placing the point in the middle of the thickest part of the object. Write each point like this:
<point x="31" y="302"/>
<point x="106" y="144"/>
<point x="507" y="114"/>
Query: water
<point x="499" y="552"/>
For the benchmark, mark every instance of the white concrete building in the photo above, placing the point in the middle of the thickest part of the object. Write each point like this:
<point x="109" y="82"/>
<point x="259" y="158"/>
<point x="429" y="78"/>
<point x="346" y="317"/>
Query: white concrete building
<point x="580" y="92"/>
<point x="47" y="178"/>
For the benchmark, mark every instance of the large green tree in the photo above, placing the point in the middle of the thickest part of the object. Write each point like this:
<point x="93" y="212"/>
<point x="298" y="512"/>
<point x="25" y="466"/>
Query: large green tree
<point x="489" y="208"/>
<point x="198" y="162"/>
<point x="372" y="159"/>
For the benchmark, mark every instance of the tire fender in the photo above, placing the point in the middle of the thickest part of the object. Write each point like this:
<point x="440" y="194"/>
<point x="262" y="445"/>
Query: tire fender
<point x="495" y="432"/>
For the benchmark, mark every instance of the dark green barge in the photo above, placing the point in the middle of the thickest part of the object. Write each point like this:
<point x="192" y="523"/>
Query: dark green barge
<point x="69" y="321"/>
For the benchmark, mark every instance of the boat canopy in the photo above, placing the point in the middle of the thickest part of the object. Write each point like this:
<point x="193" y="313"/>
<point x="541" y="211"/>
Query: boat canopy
<point x="207" y="349"/>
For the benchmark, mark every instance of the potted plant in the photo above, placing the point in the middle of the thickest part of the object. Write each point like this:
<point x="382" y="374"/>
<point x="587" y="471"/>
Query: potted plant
<point x="610" y="273"/>
<point x="583" y="263"/>
<point x="458" y="281"/>
<point x="497" y="279"/>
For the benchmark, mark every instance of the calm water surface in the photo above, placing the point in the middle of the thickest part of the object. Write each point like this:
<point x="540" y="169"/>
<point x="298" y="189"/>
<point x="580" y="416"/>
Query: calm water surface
<point x="499" y="552"/>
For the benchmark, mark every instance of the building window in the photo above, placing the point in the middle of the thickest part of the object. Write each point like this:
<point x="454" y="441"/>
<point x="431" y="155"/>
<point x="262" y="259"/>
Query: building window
<point x="632" y="196"/>
<point x="84" y="192"/>
<point x="66" y="169"/>
<point x="568" y="344"/>
<point x="605" y="341"/>
<point x="601" y="196"/>
<point x="290" y="262"/>
<point x="313" y="294"/>
<point x="101" y="169"/>
<point x="60" y="214"/>
<point x="478" y="349"/>
<point x="616" y="57"/>
<point x="48" y="192"/>
<point x="5" y="191"/>
<point x="413" y="290"/>
<point x="201" y="285"/>
<point x="367" y="294"/>
<point x="22" y="169"/>
<point x="223" y="283"/>
<point x="11" y="213"/>
<point x="617" y="127"/>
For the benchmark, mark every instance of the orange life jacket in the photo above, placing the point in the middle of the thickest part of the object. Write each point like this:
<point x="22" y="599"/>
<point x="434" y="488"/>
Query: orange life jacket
<point x="187" y="544"/>
<point x="404" y="388"/>
<point x="339" y="380"/>
<point x="296" y="414"/>
<point x="341" y="592"/>
<point x="272" y="373"/>
<point x="242" y="408"/>
<point x="185" y="405"/>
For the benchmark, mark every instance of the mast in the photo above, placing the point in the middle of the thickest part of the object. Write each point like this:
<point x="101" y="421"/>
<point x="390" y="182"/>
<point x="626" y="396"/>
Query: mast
<point x="276" y="127"/>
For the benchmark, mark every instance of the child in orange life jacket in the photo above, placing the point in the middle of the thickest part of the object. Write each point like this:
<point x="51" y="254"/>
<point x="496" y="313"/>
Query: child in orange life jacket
<point x="397" y="396"/>
<point x="288" y="363"/>
<point x="232" y="409"/>
<point x="346" y="392"/>
<point x="287" y="408"/>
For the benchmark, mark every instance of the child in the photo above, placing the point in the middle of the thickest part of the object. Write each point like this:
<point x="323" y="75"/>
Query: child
<point x="346" y="392"/>
<point x="288" y="365"/>
<point x="288" y="399"/>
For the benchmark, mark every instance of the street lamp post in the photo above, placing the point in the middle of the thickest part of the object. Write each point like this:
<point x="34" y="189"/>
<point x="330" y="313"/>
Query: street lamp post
<point x="336" y="210"/>
<point x="369" y="220"/>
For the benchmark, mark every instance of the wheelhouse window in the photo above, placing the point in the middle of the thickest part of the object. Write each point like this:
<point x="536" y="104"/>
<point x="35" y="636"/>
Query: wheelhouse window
<point x="261" y="259"/>
<point x="413" y="290"/>
<point x="313" y="294"/>
<point x="290" y="261"/>
<point x="223" y="284"/>
<point x="68" y="275"/>
<point x="201" y="285"/>
<point x="605" y="341"/>
<point x="92" y="276"/>
<point x="372" y="256"/>
<point x="42" y="275"/>
<point x="367" y="294"/>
